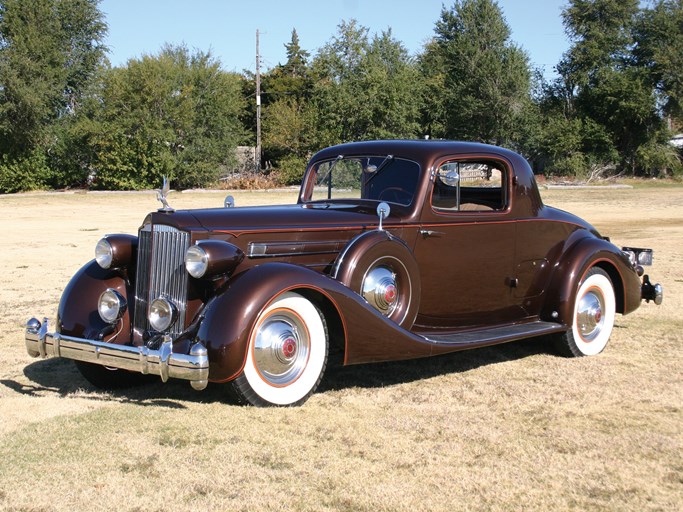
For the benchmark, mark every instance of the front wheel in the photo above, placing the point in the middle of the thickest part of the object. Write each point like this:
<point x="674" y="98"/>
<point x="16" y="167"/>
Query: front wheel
<point x="287" y="354"/>
<point x="593" y="319"/>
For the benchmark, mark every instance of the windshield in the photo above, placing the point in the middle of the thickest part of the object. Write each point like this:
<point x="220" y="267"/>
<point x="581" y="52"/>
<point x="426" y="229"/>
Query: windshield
<point x="380" y="178"/>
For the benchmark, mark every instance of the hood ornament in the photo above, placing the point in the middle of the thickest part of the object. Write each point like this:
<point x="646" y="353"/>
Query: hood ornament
<point x="162" y="193"/>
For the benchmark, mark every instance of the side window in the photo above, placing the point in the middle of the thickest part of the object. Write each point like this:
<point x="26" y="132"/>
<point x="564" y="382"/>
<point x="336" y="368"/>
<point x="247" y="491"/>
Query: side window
<point x="470" y="185"/>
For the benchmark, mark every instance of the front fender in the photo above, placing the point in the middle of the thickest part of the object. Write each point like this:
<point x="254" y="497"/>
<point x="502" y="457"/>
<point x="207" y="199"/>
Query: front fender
<point x="230" y="316"/>
<point x="572" y="267"/>
<point x="77" y="312"/>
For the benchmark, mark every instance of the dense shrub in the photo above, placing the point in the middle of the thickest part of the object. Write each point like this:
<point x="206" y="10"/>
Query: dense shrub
<point x="27" y="173"/>
<point x="290" y="169"/>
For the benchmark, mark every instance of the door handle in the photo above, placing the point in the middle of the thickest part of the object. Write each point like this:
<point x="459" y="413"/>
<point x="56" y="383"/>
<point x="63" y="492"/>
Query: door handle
<point x="428" y="232"/>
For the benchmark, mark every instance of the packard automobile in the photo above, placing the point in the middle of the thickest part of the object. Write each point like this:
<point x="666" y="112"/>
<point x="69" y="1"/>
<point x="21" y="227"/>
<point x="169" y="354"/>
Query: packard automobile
<point x="394" y="250"/>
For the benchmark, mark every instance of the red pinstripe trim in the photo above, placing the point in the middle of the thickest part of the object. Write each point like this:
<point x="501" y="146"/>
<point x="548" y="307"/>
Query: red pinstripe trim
<point x="466" y="221"/>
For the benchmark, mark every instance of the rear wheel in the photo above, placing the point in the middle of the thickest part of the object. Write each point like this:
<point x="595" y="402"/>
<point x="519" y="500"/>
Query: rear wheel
<point x="593" y="319"/>
<point x="287" y="354"/>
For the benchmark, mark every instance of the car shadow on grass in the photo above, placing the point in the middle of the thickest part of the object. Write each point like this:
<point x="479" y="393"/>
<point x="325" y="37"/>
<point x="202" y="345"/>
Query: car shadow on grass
<point x="378" y="375"/>
<point x="60" y="377"/>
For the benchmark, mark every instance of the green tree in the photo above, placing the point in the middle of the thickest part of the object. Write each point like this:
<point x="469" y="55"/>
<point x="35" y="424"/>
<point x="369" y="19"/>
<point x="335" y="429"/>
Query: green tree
<point x="290" y="80"/>
<point x="365" y="88"/>
<point x="393" y="88"/>
<point x="600" y="31"/>
<point x="288" y="123"/>
<point x="659" y="49"/>
<point x="339" y="97"/>
<point x="484" y="78"/>
<point x="173" y="114"/>
<point x="356" y="87"/>
<point x="289" y="129"/>
<point x="49" y="52"/>
<point x="607" y="86"/>
<point x="433" y="103"/>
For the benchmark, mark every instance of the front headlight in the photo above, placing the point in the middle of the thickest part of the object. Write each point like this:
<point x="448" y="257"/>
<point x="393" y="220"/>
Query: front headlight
<point x="196" y="261"/>
<point x="116" y="251"/>
<point x="162" y="314"/>
<point x="211" y="259"/>
<point x="111" y="306"/>
<point x="104" y="253"/>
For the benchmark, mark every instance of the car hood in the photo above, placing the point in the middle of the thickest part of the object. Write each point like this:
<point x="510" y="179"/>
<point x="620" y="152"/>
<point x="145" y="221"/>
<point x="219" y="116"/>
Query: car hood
<point x="269" y="218"/>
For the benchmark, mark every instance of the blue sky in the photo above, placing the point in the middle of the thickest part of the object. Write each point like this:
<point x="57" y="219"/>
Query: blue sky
<point x="228" y="27"/>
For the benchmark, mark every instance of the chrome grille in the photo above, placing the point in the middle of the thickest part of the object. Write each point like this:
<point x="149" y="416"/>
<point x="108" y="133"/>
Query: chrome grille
<point x="161" y="272"/>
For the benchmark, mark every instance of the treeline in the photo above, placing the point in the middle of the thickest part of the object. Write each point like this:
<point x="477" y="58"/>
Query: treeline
<point x="69" y="119"/>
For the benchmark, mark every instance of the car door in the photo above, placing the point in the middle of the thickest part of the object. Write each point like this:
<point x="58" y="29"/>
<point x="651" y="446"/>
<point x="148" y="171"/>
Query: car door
<point x="466" y="246"/>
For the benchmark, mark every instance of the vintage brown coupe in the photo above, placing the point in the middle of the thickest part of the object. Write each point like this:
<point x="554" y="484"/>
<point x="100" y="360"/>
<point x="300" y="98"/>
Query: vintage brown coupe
<point x="394" y="250"/>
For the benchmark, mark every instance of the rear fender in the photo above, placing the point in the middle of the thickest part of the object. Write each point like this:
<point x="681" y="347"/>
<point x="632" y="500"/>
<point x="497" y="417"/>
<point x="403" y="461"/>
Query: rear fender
<point x="586" y="253"/>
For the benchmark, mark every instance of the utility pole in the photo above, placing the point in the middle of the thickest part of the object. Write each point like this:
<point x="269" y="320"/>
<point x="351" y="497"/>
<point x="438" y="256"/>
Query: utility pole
<point x="258" y="105"/>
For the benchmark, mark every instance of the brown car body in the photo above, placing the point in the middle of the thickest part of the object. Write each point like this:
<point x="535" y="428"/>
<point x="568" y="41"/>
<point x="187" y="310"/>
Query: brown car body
<point x="503" y="268"/>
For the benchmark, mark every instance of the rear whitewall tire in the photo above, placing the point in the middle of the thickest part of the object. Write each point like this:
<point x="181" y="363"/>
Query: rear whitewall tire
<point x="593" y="316"/>
<point x="287" y="354"/>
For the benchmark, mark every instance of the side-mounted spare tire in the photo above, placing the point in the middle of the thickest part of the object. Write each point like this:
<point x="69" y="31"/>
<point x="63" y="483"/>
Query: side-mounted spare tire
<point x="382" y="269"/>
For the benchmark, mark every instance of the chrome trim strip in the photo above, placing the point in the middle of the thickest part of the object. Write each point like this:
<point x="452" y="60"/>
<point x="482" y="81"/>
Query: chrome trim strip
<point x="163" y="362"/>
<point x="274" y="249"/>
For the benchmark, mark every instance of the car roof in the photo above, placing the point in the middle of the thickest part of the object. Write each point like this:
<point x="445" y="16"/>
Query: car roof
<point x="417" y="149"/>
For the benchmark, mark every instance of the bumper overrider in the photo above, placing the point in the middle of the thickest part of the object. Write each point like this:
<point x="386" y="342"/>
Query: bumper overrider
<point x="163" y="362"/>
<point x="651" y="292"/>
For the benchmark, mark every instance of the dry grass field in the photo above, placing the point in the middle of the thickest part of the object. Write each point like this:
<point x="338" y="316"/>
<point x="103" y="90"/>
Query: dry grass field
<point x="511" y="427"/>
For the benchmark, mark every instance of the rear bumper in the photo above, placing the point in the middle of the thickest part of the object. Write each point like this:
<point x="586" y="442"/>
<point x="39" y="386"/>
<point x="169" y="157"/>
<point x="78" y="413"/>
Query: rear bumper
<point x="163" y="362"/>
<point x="651" y="292"/>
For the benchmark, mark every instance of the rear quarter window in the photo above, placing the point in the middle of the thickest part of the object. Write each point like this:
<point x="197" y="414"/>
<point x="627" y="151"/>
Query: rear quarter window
<point x="471" y="185"/>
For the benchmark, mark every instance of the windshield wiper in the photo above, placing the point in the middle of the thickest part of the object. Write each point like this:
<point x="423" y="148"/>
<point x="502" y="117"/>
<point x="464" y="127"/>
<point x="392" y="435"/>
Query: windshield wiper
<point x="380" y="168"/>
<point x="327" y="174"/>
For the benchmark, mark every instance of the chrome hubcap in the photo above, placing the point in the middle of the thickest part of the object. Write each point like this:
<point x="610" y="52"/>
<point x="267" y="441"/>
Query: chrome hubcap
<point x="281" y="349"/>
<point x="589" y="315"/>
<point x="381" y="290"/>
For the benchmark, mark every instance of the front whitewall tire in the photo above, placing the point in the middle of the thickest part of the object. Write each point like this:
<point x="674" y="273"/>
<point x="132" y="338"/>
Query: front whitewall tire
<point x="287" y="353"/>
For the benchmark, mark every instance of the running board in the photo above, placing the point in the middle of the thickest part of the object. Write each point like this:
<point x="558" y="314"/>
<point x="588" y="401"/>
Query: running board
<point x="495" y="335"/>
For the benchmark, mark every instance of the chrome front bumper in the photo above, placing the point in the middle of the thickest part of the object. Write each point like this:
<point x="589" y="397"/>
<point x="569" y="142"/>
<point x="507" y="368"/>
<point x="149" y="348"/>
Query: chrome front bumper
<point x="163" y="362"/>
